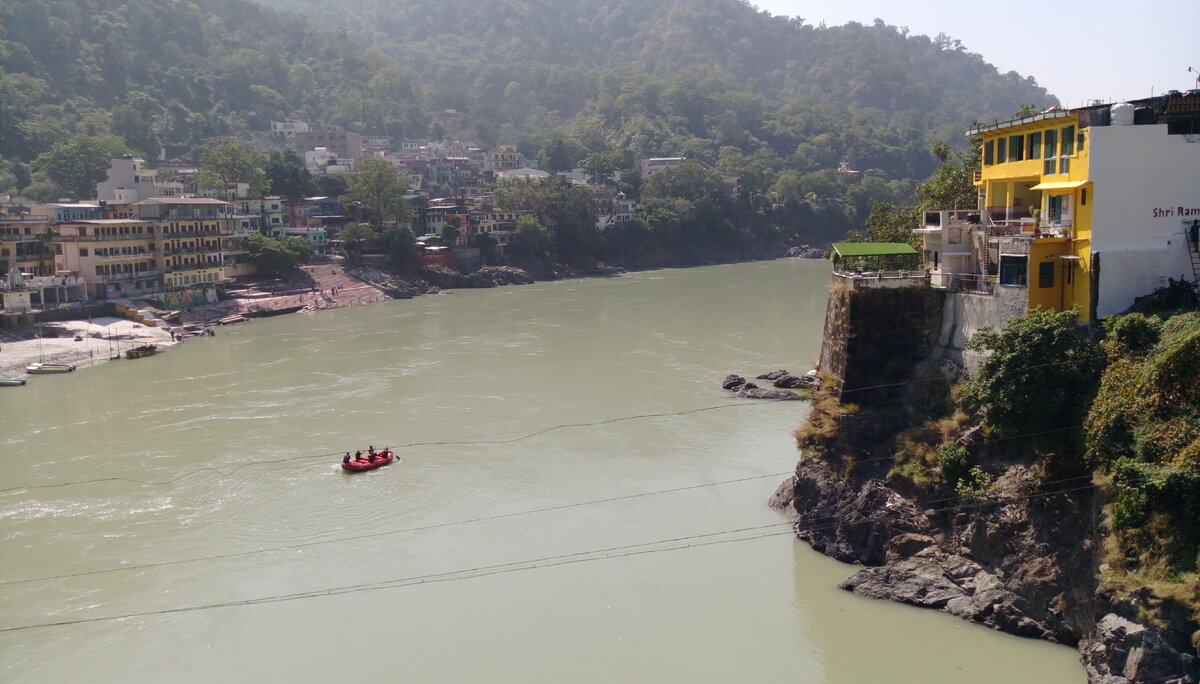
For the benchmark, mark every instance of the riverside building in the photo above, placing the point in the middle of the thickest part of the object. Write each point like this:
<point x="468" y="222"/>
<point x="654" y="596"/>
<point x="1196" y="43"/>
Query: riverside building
<point x="1086" y="208"/>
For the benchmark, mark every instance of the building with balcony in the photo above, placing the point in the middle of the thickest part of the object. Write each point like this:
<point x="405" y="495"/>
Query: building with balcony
<point x="192" y="238"/>
<point x="129" y="181"/>
<point x="25" y="246"/>
<point x="115" y="257"/>
<point x="1085" y="208"/>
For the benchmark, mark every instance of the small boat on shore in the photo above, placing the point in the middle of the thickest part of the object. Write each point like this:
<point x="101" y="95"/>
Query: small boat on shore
<point x="382" y="458"/>
<point x="46" y="368"/>
<point x="141" y="352"/>
<point x="12" y="382"/>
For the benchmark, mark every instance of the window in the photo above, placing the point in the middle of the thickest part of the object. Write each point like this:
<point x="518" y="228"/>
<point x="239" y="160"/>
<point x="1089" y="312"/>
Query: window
<point x="1083" y="197"/>
<point x="1068" y="141"/>
<point x="83" y="251"/>
<point x="989" y="149"/>
<point x="1035" y="146"/>
<point x="1016" y="148"/>
<point x="1049" y="152"/>
<point x="1013" y="270"/>
<point x="1001" y="152"/>
<point x="1046" y="274"/>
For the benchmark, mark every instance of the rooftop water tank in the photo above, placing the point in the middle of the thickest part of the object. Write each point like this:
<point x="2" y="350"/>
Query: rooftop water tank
<point x="1122" y="114"/>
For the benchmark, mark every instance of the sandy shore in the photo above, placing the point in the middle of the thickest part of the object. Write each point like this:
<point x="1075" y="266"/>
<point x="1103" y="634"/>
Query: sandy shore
<point x="102" y="338"/>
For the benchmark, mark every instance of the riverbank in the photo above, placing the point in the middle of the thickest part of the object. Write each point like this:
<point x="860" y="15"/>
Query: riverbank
<point x="82" y="343"/>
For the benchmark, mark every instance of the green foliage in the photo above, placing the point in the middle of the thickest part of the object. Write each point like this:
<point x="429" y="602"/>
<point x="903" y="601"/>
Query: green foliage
<point x="532" y="237"/>
<point x="400" y="244"/>
<point x="76" y="165"/>
<point x="1144" y="428"/>
<point x="1134" y="333"/>
<point x="380" y="189"/>
<point x="449" y="232"/>
<point x="974" y="485"/>
<point x="224" y="165"/>
<point x="1039" y="374"/>
<point x="953" y="459"/>
<point x="356" y="237"/>
<point x="287" y="176"/>
<point x="278" y="256"/>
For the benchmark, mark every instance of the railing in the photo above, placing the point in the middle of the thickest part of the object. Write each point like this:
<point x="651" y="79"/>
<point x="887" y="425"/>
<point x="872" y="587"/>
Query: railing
<point x="126" y="277"/>
<point x="881" y="279"/>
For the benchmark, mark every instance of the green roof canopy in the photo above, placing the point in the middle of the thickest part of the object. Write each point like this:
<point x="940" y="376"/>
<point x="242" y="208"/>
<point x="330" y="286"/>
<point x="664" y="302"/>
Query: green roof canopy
<point x="863" y="249"/>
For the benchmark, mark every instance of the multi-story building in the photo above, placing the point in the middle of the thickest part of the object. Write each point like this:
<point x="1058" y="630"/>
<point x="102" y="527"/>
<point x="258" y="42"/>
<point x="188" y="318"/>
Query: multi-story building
<point x="652" y="164"/>
<point x="265" y="213"/>
<point x="25" y="245"/>
<point x="342" y="143"/>
<point x="501" y="226"/>
<point x="115" y="257"/>
<point x="1086" y="208"/>
<point x="195" y="238"/>
<point x="504" y="158"/>
<point x="129" y="181"/>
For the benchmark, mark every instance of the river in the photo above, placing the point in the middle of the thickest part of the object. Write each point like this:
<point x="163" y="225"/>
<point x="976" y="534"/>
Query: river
<point x="576" y="499"/>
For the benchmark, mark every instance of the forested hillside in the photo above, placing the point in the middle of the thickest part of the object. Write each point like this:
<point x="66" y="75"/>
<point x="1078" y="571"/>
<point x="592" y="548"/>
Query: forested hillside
<point x="777" y="101"/>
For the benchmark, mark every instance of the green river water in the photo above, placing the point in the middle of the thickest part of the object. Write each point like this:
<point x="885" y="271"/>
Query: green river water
<point x="577" y="500"/>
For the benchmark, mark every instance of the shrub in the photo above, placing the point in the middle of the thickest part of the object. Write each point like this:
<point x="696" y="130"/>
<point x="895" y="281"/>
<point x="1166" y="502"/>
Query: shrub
<point x="1132" y="333"/>
<point x="974" y="485"/>
<point x="953" y="460"/>
<point x="1039" y="375"/>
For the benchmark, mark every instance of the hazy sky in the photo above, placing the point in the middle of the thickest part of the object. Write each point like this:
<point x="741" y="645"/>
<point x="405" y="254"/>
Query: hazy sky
<point x="1079" y="51"/>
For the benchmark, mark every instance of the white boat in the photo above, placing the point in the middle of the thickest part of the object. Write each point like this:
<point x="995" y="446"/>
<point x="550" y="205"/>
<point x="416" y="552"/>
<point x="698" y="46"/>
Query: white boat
<point x="43" y="368"/>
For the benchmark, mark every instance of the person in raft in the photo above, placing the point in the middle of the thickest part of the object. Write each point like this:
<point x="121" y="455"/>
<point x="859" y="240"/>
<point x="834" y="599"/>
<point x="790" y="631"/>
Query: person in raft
<point x="346" y="458"/>
<point x="371" y="453"/>
<point x="358" y="456"/>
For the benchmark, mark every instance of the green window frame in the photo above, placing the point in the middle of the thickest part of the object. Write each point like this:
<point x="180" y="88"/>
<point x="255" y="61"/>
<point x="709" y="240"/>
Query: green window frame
<point x="1001" y="151"/>
<point x="1034" y="141"/>
<point x="1016" y="148"/>
<point x="989" y="149"/>
<point x="1050" y="152"/>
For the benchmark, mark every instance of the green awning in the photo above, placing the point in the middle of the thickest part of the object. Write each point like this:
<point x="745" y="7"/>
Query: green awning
<point x="863" y="249"/>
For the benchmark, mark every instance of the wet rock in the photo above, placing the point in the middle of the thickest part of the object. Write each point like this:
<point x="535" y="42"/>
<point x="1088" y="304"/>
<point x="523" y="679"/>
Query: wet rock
<point x="773" y="375"/>
<point x="750" y="391"/>
<point x="733" y="382"/>
<point x="789" y="381"/>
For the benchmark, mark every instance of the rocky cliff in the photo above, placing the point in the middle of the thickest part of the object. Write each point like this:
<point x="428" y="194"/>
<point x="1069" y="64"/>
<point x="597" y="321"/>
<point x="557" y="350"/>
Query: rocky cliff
<point x="1022" y="554"/>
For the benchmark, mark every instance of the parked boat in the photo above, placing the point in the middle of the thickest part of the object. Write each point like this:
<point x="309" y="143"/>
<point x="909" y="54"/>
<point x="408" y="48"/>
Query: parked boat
<point x="382" y="458"/>
<point x="11" y="382"/>
<point x="139" y="352"/>
<point x="45" y="368"/>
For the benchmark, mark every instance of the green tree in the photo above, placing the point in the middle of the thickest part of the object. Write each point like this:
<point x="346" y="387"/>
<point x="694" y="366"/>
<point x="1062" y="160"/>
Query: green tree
<point x="449" y="231"/>
<point x="532" y="237"/>
<point x="356" y="237"/>
<point x="287" y="175"/>
<point x="278" y="256"/>
<point x="376" y="185"/>
<point x="1039" y="375"/>
<point x="76" y="165"/>
<point x="400" y="244"/>
<point x="224" y="165"/>
<point x="599" y="169"/>
<point x="689" y="180"/>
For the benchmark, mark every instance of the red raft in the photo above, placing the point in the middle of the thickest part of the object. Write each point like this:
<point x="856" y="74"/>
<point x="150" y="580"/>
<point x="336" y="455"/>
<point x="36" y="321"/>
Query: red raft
<point x="382" y="458"/>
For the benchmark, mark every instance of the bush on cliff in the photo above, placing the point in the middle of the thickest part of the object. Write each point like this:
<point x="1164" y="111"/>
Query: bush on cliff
<point x="1038" y="378"/>
<point x="1144" y="428"/>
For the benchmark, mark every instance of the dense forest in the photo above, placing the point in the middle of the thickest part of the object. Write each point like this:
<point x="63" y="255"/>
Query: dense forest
<point x="779" y="102"/>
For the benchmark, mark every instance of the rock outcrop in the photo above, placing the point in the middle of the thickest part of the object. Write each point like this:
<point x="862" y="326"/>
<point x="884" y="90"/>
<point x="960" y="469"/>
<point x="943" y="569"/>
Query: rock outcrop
<point x="1021" y="560"/>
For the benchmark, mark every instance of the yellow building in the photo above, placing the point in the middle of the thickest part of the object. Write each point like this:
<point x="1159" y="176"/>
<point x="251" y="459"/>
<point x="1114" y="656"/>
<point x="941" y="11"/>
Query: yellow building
<point x="1086" y="208"/>
<point x="115" y="257"/>
<point x="25" y="245"/>
<point x="191" y="235"/>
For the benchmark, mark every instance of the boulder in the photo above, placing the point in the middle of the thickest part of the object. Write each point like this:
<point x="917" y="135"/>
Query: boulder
<point x="750" y="391"/>
<point x="773" y="375"/>
<point x="733" y="382"/>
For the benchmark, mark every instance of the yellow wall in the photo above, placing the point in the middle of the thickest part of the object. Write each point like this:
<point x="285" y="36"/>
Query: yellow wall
<point x="1058" y="296"/>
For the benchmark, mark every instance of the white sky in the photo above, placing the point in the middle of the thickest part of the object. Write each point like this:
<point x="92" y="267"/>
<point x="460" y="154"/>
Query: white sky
<point x="1079" y="51"/>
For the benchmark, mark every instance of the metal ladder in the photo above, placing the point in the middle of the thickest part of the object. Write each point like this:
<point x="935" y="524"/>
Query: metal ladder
<point x="1194" y="254"/>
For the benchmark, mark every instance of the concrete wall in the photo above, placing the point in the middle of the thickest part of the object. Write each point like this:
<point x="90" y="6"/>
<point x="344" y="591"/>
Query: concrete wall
<point x="877" y="336"/>
<point x="1147" y="184"/>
